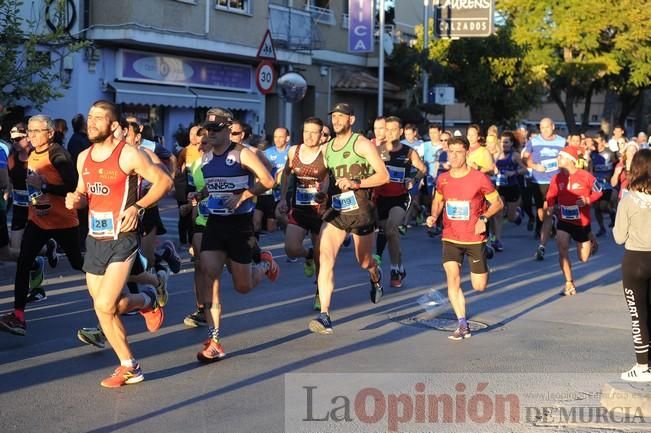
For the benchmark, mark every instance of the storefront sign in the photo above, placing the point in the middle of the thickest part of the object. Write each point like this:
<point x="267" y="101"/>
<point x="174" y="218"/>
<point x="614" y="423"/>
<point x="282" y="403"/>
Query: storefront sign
<point x="166" y="69"/>
<point x="360" y="26"/>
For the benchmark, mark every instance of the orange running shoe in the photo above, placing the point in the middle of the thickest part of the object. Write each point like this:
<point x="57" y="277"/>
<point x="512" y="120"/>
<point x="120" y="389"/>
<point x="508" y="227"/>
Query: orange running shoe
<point x="274" y="270"/>
<point x="124" y="376"/>
<point x="154" y="315"/>
<point x="212" y="352"/>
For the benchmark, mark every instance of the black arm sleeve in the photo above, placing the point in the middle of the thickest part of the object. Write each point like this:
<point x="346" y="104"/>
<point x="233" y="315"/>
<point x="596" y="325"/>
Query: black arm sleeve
<point x="62" y="162"/>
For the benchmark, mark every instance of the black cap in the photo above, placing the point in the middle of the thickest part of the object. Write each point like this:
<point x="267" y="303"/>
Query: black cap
<point x="217" y="116"/>
<point x="343" y="108"/>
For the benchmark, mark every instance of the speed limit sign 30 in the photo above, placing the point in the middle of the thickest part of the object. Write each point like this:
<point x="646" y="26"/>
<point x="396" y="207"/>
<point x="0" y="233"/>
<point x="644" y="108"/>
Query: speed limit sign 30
<point x="265" y="77"/>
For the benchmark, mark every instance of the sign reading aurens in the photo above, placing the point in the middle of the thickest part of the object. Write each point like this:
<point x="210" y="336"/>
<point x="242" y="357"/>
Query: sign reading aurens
<point x="464" y="18"/>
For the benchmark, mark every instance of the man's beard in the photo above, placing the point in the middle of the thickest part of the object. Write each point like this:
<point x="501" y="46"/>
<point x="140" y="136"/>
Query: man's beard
<point x="100" y="137"/>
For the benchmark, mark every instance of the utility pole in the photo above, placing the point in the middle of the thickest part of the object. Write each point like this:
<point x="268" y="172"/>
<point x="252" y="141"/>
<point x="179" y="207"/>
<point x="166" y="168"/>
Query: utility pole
<point x="425" y="49"/>
<point x="380" y="86"/>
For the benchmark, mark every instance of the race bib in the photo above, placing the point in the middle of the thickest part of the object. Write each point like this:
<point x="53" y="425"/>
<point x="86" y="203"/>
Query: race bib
<point x="396" y="174"/>
<point x="33" y="192"/>
<point x="101" y="224"/>
<point x="345" y="202"/>
<point x="305" y="196"/>
<point x="570" y="212"/>
<point x="203" y="208"/>
<point x="550" y="164"/>
<point x="20" y="197"/>
<point x="458" y="210"/>
<point x="500" y="180"/>
<point x="216" y="203"/>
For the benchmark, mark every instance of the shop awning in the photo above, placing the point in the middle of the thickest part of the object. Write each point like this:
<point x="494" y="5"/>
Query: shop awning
<point x="225" y="99"/>
<point x="362" y="82"/>
<point x="153" y="94"/>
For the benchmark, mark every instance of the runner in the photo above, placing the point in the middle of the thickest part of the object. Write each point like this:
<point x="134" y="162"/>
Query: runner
<point x="604" y="161"/>
<point x="508" y="167"/>
<point x="540" y="155"/>
<point x="632" y="230"/>
<point x="572" y="190"/>
<point x="392" y="199"/>
<point x="355" y="166"/>
<point x="463" y="192"/>
<point x="51" y="176"/>
<point x="379" y="133"/>
<point x="108" y="178"/>
<point x="306" y="162"/>
<point x="229" y="172"/>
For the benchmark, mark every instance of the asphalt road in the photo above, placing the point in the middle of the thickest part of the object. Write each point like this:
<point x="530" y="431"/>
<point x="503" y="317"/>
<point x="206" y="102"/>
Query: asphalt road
<point x="49" y="381"/>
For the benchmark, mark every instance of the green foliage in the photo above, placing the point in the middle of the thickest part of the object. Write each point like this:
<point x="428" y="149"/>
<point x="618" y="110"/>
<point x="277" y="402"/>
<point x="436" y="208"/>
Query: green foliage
<point x="30" y="61"/>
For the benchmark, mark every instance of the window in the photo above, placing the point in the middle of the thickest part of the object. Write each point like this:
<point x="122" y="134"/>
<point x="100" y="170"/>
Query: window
<point x="320" y="11"/>
<point x="234" y="5"/>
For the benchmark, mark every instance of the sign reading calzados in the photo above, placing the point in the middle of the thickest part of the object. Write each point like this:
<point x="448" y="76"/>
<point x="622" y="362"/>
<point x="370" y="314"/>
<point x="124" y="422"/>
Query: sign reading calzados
<point x="464" y="18"/>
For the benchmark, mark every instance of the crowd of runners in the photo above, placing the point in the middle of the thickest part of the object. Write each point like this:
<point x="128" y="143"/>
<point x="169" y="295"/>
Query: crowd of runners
<point x="96" y="201"/>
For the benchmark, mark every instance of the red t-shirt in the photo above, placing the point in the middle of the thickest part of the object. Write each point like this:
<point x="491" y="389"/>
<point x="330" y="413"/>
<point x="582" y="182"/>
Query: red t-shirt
<point x="565" y="190"/>
<point x="464" y="200"/>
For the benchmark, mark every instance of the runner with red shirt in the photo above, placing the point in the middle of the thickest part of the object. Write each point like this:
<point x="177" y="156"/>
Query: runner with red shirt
<point x="463" y="193"/>
<point x="571" y="191"/>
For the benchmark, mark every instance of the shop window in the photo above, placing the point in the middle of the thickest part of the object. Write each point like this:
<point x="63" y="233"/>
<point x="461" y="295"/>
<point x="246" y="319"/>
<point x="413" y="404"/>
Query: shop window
<point x="243" y="6"/>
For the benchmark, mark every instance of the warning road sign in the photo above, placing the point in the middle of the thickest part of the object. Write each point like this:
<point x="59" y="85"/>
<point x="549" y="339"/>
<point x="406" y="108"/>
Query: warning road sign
<point x="266" y="50"/>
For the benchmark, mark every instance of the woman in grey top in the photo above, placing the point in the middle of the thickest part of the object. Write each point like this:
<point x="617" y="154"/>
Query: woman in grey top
<point x="632" y="230"/>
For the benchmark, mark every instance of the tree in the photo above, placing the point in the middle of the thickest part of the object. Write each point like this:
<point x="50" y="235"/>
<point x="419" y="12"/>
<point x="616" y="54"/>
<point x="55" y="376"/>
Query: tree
<point x="29" y="61"/>
<point x="578" y="47"/>
<point x="487" y="74"/>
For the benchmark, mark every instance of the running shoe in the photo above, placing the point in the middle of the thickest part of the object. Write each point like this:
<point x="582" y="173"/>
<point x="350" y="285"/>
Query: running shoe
<point x="154" y="315"/>
<point x="637" y="374"/>
<point x="420" y="219"/>
<point x="12" y="324"/>
<point x="51" y="253"/>
<point x="292" y="259"/>
<point x="212" y="352"/>
<point x="540" y="253"/>
<point x="568" y="290"/>
<point x="274" y="270"/>
<point x="316" y="306"/>
<point x="196" y="319"/>
<point x="490" y="252"/>
<point x="402" y="229"/>
<point x="162" y="295"/>
<point x="397" y="277"/>
<point x="497" y="246"/>
<point x="461" y="333"/>
<point x="92" y="336"/>
<point x="518" y="219"/>
<point x="376" y="287"/>
<point x="378" y="259"/>
<point x="124" y="376"/>
<point x="321" y="325"/>
<point x="36" y="273"/>
<point x="347" y="240"/>
<point x="35" y="295"/>
<point x="309" y="268"/>
<point x="169" y="254"/>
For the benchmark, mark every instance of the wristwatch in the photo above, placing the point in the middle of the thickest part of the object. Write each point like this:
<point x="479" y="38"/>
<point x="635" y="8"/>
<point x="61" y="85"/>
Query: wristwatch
<point x="483" y="219"/>
<point x="357" y="184"/>
<point x="140" y="209"/>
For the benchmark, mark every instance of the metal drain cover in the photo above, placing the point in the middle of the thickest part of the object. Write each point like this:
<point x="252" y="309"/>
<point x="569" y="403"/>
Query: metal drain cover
<point x="444" y="323"/>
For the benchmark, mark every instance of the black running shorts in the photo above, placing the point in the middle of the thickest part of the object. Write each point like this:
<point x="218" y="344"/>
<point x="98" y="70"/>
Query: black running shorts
<point x="101" y="253"/>
<point x="385" y="204"/>
<point x="231" y="234"/>
<point x="305" y="218"/>
<point x="578" y="233"/>
<point x="511" y="193"/>
<point x="267" y="205"/>
<point x="4" y="233"/>
<point x="453" y="252"/>
<point x="150" y="220"/>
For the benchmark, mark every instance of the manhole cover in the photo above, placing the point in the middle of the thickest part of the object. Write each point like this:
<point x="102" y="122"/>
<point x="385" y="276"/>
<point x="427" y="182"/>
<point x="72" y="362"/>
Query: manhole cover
<point x="444" y="323"/>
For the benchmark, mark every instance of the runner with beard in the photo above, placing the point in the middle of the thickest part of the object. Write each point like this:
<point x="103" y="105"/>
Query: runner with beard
<point x="355" y="167"/>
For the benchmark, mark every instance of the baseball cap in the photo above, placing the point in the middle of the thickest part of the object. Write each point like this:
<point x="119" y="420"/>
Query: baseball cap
<point x="570" y="152"/>
<point x="457" y="133"/>
<point x="343" y="108"/>
<point x="17" y="132"/>
<point x="217" y="116"/>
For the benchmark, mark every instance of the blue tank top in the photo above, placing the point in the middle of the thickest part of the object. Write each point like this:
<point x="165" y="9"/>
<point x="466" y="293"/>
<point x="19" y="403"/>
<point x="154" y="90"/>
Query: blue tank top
<point x="503" y="165"/>
<point x="545" y="152"/>
<point x="224" y="176"/>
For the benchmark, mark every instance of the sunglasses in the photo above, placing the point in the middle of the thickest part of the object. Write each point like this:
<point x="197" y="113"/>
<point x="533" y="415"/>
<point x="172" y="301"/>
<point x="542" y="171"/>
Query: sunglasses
<point x="237" y="132"/>
<point x="218" y="127"/>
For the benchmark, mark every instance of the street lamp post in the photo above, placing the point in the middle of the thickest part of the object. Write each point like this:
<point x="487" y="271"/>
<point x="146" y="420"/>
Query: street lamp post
<point x="425" y="48"/>
<point x="380" y="87"/>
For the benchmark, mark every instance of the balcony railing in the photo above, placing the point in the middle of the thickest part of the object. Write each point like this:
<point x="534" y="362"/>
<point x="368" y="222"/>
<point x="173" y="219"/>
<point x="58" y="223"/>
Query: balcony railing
<point x="293" y="28"/>
<point x="321" y="15"/>
<point x="344" y="21"/>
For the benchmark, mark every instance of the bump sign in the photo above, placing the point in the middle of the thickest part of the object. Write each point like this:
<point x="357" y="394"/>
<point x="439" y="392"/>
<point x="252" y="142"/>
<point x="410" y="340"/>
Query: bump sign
<point x="265" y="77"/>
